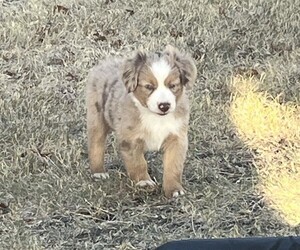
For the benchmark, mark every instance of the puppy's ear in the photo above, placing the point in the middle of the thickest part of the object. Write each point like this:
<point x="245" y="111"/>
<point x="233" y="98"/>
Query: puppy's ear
<point x="185" y="64"/>
<point x="131" y="69"/>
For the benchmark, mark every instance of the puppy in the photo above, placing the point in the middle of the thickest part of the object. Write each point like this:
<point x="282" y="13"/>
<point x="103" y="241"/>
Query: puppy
<point x="144" y="100"/>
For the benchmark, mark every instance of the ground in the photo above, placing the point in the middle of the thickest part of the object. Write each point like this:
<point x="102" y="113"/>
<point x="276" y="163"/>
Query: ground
<point x="47" y="197"/>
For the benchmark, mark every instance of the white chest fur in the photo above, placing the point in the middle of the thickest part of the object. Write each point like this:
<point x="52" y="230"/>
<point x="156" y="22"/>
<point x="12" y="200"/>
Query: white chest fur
<point x="157" y="128"/>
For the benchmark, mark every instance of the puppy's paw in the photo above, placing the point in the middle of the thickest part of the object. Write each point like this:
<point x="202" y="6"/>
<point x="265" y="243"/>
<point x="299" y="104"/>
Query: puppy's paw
<point x="174" y="190"/>
<point x="144" y="183"/>
<point x="177" y="193"/>
<point x="100" y="176"/>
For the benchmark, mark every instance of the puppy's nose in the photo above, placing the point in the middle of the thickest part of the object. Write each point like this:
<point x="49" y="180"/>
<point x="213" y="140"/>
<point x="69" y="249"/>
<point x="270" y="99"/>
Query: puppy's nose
<point x="164" y="106"/>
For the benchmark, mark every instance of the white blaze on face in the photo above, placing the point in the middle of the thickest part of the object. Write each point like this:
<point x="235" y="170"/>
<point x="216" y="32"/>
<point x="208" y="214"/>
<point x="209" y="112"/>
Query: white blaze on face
<point x="162" y="94"/>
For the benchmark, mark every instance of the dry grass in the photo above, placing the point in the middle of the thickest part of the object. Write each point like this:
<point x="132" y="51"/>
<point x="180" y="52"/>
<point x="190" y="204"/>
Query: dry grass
<point x="272" y="130"/>
<point x="47" y="198"/>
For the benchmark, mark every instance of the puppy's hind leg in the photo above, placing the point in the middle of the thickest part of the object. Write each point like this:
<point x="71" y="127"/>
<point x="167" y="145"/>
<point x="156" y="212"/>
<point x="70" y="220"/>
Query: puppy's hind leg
<point x="97" y="131"/>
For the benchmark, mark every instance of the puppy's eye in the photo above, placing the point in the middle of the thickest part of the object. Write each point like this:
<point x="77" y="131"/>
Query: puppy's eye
<point x="149" y="87"/>
<point x="172" y="86"/>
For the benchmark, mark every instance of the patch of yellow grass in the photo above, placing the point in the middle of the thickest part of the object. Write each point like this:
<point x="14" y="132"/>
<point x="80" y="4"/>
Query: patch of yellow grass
<point x="273" y="130"/>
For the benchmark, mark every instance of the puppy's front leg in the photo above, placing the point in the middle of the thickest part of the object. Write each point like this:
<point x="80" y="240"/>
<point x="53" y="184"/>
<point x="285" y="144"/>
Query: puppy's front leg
<point x="136" y="165"/>
<point x="175" y="149"/>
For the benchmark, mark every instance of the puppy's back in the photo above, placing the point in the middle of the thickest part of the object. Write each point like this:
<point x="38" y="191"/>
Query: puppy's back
<point x="105" y="88"/>
<point x="106" y="72"/>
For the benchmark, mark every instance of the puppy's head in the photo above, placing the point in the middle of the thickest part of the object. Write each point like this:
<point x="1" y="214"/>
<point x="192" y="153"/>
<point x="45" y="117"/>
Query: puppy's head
<point x="158" y="80"/>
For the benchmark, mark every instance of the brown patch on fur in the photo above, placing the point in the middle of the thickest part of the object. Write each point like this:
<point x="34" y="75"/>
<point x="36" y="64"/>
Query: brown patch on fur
<point x="140" y="142"/>
<point x="174" y="79"/>
<point x="125" y="145"/>
<point x="98" y="107"/>
<point x="145" y="78"/>
<point x="185" y="65"/>
<point x="142" y="94"/>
